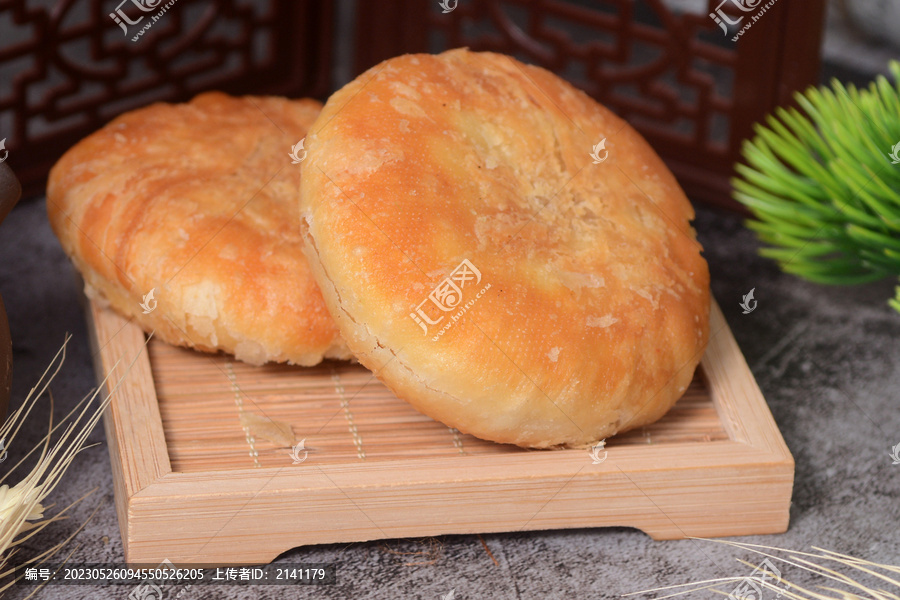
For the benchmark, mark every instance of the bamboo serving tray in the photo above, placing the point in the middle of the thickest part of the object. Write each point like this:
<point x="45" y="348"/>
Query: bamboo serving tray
<point x="204" y="472"/>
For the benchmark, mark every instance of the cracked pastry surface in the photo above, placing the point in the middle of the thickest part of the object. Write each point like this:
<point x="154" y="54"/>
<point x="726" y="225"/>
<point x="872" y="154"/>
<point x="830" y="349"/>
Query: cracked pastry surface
<point x="479" y="260"/>
<point x="197" y="202"/>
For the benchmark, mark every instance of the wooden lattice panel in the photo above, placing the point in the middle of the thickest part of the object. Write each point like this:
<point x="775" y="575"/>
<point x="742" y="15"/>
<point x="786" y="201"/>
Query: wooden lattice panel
<point x="67" y="67"/>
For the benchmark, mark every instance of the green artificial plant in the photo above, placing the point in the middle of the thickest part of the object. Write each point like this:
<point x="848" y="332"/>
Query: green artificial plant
<point x="823" y="183"/>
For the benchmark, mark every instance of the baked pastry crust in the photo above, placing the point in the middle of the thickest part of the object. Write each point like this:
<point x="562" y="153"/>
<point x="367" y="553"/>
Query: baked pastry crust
<point x="583" y="307"/>
<point x="198" y="202"/>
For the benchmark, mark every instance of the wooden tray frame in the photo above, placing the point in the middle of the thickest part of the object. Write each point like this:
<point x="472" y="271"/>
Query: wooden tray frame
<point x="738" y="486"/>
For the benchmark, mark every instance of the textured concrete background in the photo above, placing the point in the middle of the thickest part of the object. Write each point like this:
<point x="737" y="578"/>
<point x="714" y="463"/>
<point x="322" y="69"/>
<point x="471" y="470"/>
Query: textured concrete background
<point x="826" y="359"/>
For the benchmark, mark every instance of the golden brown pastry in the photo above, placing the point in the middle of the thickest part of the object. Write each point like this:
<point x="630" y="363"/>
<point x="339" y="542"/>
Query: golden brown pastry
<point x="197" y="202"/>
<point x="477" y="259"/>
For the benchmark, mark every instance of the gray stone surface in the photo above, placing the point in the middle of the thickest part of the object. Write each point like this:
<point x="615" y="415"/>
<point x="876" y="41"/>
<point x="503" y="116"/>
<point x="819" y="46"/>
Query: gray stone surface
<point x="826" y="359"/>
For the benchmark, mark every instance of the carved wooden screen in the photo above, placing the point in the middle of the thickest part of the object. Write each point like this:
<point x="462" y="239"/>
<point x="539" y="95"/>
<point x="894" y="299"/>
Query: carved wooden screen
<point x="674" y="74"/>
<point x="67" y="66"/>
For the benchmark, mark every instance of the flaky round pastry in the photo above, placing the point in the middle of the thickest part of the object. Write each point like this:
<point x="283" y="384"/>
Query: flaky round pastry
<point x="197" y="203"/>
<point x="503" y="252"/>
